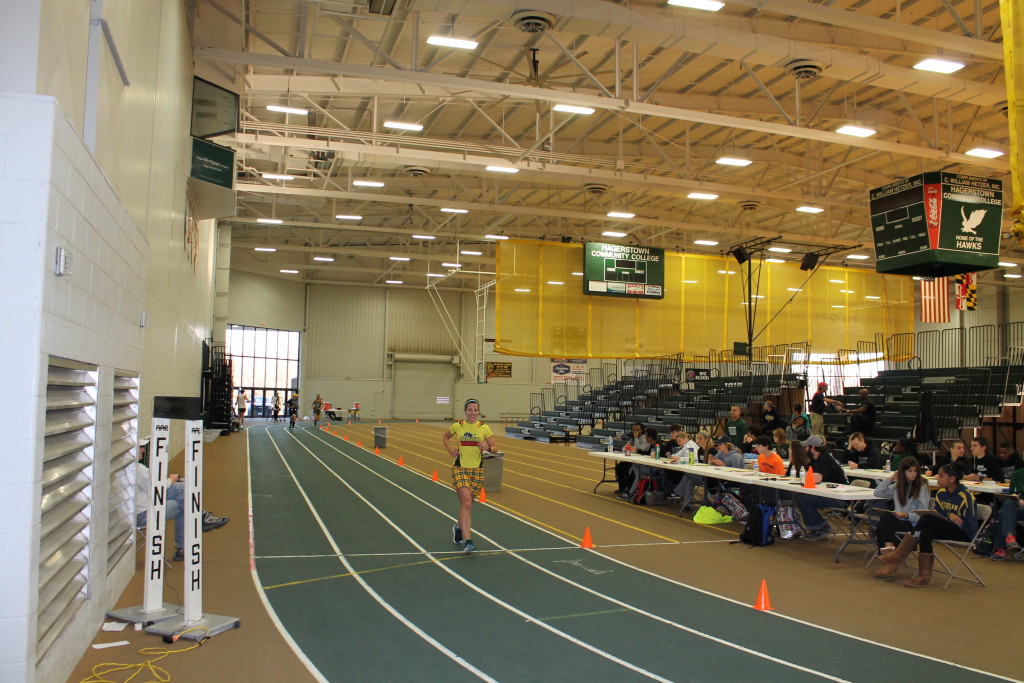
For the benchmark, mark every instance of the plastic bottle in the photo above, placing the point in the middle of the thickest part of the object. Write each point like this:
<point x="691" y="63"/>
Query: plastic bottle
<point x="657" y="451"/>
<point x="803" y="473"/>
<point x="888" y="464"/>
<point x="691" y="456"/>
<point x="610" y="444"/>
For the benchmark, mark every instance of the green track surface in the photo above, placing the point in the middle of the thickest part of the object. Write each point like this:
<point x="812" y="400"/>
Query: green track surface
<point x="403" y="551"/>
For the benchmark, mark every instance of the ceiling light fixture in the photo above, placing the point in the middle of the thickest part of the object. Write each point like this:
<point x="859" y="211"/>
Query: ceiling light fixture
<point x="367" y="183"/>
<point x="939" y="66"/>
<point x="446" y="41"/>
<point x="434" y="275"/>
<point x="838" y="282"/>
<point x="872" y="297"/>
<point x="555" y="282"/>
<point x="424" y="237"/>
<point x="521" y="290"/>
<point x="614" y="233"/>
<point x="447" y="210"/>
<point x="702" y="195"/>
<point x="983" y="153"/>
<point x="393" y="282"/>
<point x="271" y="221"/>
<point x="809" y="209"/>
<point x="706" y="243"/>
<point x="346" y="217"/>
<point x="780" y="250"/>
<point x="286" y="270"/>
<point x="1012" y="276"/>
<point x="727" y="272"/>
<point x="325" y="259"/>
<point x="732" y="161"/>
<point x="398" y="258"/>
<point x="1007" y="264"/>
<point x="620" y="214"/>
<point x="400" y="125"/>
<point x="287" y="110"/>
<point x="578" y="274"/>
<point x="858" y="257"/>
<point x="774" y="260"/>
<point x="573" y="109"/>
<point x="467" y="252"/>
<point x="452" y="265"/>
<point x="792" y="289"/>
<point x="264" y="249"/>
<point x="707" y="5"/>
<point x="690" y="282"/>
<point x="277" y="176"/>
<point x="496" y="237"/>
<point x="501" y="169"/>
<point x="856" y="131"/>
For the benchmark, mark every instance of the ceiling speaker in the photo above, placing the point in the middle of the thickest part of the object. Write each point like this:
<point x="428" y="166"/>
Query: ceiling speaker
<point x="740" y="254"/>
<point x="809" y="262"/>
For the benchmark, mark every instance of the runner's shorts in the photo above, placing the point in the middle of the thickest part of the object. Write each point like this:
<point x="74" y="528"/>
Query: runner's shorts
<point x="470" y="477"/>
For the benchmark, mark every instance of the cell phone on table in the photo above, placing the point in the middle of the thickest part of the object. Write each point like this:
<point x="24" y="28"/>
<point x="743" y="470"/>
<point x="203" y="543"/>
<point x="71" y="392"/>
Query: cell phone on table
<point x="832" y="486"/>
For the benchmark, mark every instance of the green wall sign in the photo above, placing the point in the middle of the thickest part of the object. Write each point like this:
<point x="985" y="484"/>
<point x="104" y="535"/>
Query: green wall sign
<point x="623" y="270"/>
<point x="213" y="163"/>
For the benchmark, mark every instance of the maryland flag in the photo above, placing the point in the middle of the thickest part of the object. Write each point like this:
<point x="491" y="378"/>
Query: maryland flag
<point x="967" y="292"/>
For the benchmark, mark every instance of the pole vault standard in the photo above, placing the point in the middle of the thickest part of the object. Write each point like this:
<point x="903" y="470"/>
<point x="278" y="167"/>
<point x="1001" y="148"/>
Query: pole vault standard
<point x="190" y="623"/>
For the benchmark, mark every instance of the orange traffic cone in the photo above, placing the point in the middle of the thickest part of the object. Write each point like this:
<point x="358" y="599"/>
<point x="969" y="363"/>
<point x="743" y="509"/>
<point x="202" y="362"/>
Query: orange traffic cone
<point x="483" y="496"/>
<point x="401" y="461"/>
<point x="359" y="443"/>
<point x="433" y="477"/>
<point x="350" y="421"/>
<point x="335" y="432"/>
<point x="586" y="542"/>
<point x="809" y="479"/>
<point x="346" y="437"/>
<point x="417" y="420"/>
<point x="763" y="603"/>
<point x="376" y="450"/>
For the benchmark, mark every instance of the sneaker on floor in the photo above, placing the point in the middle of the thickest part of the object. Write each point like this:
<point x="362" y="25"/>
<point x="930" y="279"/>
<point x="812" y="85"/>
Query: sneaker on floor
<point x="999" y="556"/>
<point x="469" y="547"/>
<point x="1012" y="546"/>
<point x="456" y="534"/>
<point x="673" y="496"/>
<point x="819" y="534"/>
<point x="179" y="554"/>
<point x="210" y="522"/>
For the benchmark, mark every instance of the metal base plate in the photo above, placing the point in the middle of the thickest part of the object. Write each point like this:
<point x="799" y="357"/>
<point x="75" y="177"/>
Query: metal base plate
<point x="209" y="625"/>
<point x="136" y="615"/>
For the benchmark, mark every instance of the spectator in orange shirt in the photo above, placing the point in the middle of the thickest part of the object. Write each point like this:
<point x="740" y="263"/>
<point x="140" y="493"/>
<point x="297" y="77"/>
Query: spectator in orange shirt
<point x="768" y="461"/>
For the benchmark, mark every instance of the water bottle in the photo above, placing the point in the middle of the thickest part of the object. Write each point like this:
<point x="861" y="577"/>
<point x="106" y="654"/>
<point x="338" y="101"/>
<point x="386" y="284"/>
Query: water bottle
<point x="691" y="456"/>
<point x="888" y="464"/>
<point x="609" y="444"/>
<point x="657" y="451"/>
<point x="803" y="473"/>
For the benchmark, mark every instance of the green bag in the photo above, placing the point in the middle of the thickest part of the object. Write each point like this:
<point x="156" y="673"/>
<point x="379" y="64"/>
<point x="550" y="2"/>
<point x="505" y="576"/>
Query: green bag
<point x="709" y="515"/>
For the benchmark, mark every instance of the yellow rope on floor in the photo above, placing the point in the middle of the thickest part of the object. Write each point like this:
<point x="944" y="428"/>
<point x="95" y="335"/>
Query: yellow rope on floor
<point x="156" y="654"/>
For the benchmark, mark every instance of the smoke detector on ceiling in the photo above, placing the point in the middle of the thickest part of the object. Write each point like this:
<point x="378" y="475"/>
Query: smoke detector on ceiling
<point x="532" y="21"/>
<point x="595" y="189"/>
<point x="803" y="68"/>
<point x="749" y="204"/>
<point x="416" y="171"/>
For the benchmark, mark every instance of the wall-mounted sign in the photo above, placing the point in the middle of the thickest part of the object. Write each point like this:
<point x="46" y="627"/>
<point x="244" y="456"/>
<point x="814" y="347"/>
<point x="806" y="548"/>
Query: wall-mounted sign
<point x="566" y="370"/>
<point x="698" y="375"/>
<point x="213" y="163"/>
<point x="623" y="270"/>
<point x="499" y="369"/>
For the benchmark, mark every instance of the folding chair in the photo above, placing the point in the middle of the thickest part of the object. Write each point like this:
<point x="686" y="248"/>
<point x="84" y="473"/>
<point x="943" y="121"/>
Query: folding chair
<point x="984" y="514"/>
<point x="849" y="522"/>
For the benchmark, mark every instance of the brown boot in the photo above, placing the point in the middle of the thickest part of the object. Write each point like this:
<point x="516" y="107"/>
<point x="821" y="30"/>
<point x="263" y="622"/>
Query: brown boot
<point x="900" y="555"/>
<point x="887" y="571"/>
<point x="925" y="562"/>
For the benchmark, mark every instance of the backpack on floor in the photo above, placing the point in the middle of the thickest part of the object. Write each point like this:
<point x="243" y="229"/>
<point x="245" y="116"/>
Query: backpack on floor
<point x="758" y="530"/>
<point x="645" y="487"/>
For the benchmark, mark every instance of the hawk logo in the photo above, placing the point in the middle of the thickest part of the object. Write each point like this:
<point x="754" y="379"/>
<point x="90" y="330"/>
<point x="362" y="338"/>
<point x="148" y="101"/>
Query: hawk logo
<point x="970" y="223"/>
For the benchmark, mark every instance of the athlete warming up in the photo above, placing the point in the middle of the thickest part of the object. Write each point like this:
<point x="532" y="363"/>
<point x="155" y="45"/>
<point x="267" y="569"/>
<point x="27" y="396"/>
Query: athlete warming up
<point x="466" y="441"/>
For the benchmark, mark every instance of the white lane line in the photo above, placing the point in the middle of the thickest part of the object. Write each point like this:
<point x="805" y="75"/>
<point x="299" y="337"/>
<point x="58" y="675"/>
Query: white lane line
<point x="564" y="579"/>
<point x="313" y="670"/>
<point x="374" y="594"/>
<point x="459" y="552"/>
<point x="469" y="584"/>
<point x="773" y="613"/>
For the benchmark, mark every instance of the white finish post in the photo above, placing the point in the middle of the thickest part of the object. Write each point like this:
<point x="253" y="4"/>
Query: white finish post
<point x="193" y="521"/>
<point x="156" y="518"/>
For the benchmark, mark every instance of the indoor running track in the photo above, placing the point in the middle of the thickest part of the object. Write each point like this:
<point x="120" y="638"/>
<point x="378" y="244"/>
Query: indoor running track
<point x="355" y="558"/>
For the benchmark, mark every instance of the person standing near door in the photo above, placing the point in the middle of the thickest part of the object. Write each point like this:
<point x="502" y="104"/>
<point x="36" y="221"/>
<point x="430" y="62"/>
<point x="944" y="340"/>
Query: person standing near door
<point x="276" y="406"/>
<point x="241" y="401"/>
<point x="471" y="438"/>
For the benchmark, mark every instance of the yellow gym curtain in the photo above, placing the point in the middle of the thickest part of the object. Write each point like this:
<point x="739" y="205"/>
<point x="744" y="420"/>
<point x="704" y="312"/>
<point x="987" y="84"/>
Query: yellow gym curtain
<point x="542" y="310"/>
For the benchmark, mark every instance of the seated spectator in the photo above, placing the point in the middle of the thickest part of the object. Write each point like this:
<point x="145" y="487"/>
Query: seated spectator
<point x="798" y="429"/>
<point x="862" y="418"/>
<point x="638" y="472"/>
<point x="681" y="443"/>
<point x="635" y="441"/>
<point x="955" y="455"/>
<point x="862" y="454"/>
<point x="908" y="489"/>
<point x="901" y="449"/>
<point x="986" y="464"/>
<point x="768" y="461"/>
<point x="1010" y="513"/>
<point x="735" y="426"/>
<point x="955" y="521"/>
<point x="798" y="459"/>
<point x="781" y="443"/>
<point x="826" y="469"/>
<point x="748" y="443"/>
<point x="770" y="418"/>
<point x="1010" y="460"/>
<point x="705" y="446"/>
<point x="723" y="455"/>
<point x="174" y="509"/>
<point x="800" y="411"/>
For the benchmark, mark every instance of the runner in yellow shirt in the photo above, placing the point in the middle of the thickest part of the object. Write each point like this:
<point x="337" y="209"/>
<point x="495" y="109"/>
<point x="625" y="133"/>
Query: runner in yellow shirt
<point x="466" y="441"/>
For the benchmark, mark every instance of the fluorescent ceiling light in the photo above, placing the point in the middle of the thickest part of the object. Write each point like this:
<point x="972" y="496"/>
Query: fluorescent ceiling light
<point x="780" y="250"/>
<point x="939" y="66"/>
<point x="446" y="210"/>
<point x="837" y="306"/>
<point x="1012" y="276"/>
<point x="555" y="282"/>
<point x="689" y="282"/>
<point x="277" y="176"/>
<point x="727" y="272"/>
<point x="468" y="252"/>
<point x="757" y="296"/>
<point x="434" y="275"/>
<point x="402" y="126"/>
<point x="496" y="237"/>
<point x="731" y="161"/>
<point x="983" y="153"/>
<point x="774" y="260"/>
<point x="809" y="209"/>
<point x="858" y="257"/>
<point x="702" y="195"/>
<point x="398" y="258"/>
<point x="287" y="110"/>
<point x="838" y="282"/>
<point x="501" y="169"/>
<point x="286" y="270"/>
<point x="264" y="249"/>
<point x="578" y="274"/>
<point x="620" y="214"/>
<point x="706" y="243"/>
<point x="345" y="217"/>
<point x="393" y="282"/>
<point x="709" y="5"/>
<point x="847" y="291"/>
<point x="872" y="297"/>
<point x="445" y="41"/>
<point x="424" y="237"/>
<point x="522" y="290"/>
<point x="856" y="131"/>
<point x="272" y="221"/>
<point x="1007" y="264"/>
<point x="916" y="277"/>
<point x="326" y="259"/>
<point x="792" y="289"/>
<point x="367" y="183"/>
<point x="573" y="109"/>
<point x="613" y="233"/>
<point x="452" y="265"/>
